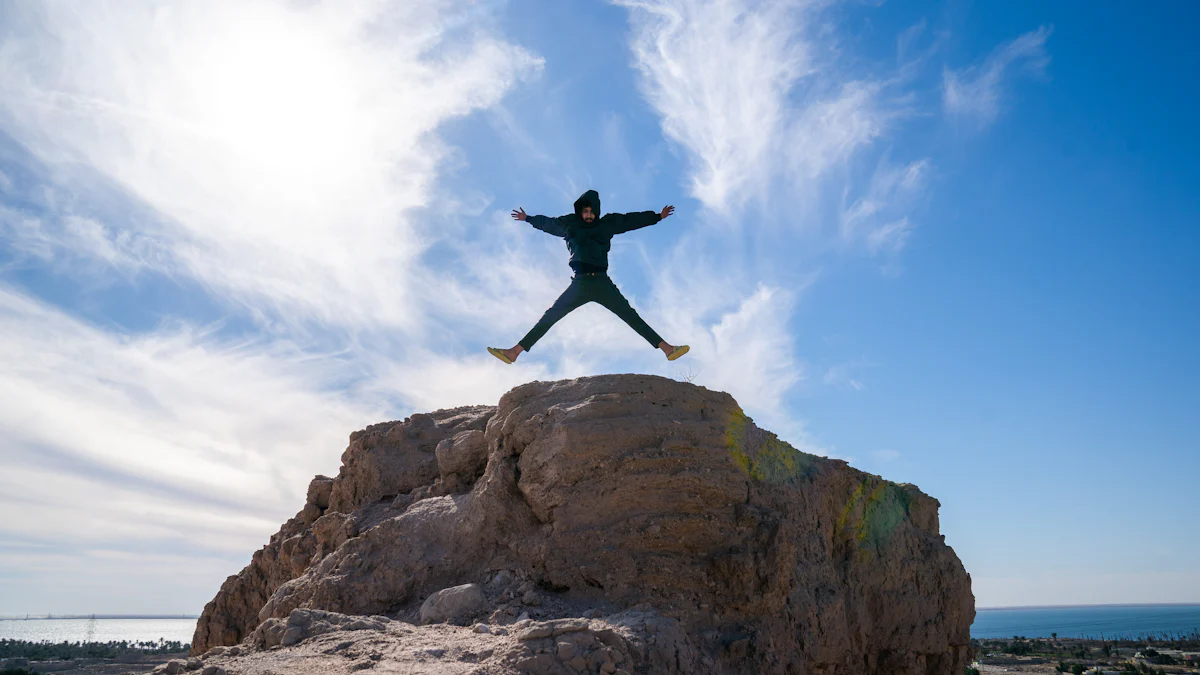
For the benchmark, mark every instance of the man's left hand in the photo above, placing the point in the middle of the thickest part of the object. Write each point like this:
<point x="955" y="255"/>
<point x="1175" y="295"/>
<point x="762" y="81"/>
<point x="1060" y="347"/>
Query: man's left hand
<point x="667" y="210"/>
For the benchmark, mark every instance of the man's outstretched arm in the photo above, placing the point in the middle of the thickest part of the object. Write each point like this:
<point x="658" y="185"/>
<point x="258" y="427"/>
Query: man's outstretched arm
<point x="544" y="223"/>
<point x="624" y="222"/>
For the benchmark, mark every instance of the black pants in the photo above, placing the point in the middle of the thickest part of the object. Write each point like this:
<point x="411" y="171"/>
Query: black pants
<point x="585" y="288"/>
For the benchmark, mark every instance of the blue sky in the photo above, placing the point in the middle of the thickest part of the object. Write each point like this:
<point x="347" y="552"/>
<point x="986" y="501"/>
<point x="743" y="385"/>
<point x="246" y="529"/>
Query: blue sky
<point x="954" y="243"/>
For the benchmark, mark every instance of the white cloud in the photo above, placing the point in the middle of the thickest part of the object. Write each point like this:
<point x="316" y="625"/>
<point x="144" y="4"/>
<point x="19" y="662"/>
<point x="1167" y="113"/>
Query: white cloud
<point x="524" y="273"/>
<point x="285" y="146"/>
<point x="175" y="451"/>
<point x="752" y="355"/>
<point x="889" y="237"/>
<point x="169" y="435"/>
<point x="767" y="113"/>
<point x="765" y="108"/>
<point x="74" y="244"/>
<point x="841" y="376"/>
<point x="79" y="580"/>
<point x="879" y="217"/>
<point x="719" y="74"/>
<point x="828" y="132"/>
<point x="746" y="90"/>
<point x="740" y="339"/>
<point x="975" y="93"/>
<point x="433" y="381"/>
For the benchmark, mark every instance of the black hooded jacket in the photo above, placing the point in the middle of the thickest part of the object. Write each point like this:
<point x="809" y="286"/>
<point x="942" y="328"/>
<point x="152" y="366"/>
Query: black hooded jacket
<point x="589" y="242"/>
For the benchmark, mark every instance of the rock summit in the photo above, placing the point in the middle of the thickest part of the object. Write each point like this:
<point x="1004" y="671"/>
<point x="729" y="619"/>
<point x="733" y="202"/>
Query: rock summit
<point x="611" y="524"/>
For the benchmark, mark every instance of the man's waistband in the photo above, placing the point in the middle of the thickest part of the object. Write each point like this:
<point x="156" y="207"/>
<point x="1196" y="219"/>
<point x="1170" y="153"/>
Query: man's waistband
<point x="582" y="269"/>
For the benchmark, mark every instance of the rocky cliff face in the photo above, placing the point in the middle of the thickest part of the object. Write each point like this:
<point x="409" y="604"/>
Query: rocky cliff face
<point x="675" y="534"/>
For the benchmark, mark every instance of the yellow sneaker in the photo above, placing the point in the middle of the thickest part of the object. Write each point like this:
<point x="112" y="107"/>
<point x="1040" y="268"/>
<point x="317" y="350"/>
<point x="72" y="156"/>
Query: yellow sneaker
<point x="677" y="352"/>
<point x="499" y="353"/>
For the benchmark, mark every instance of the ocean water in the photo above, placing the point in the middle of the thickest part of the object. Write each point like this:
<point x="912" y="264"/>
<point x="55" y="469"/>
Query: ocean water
<point x="1093" y="621"/>
<point x="1090" y="621"/>
<point x="98" y="630"/>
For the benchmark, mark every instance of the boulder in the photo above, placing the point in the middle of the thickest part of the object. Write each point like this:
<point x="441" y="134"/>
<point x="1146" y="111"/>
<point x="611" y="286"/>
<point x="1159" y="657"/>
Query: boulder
<point x="388" y="459"/>
<point x="453" y="604"/>
<point x="319" y="490"/>
<point x="302" y="624"/>
<point x="464" y="455"/>
<point x="394" y="448"/>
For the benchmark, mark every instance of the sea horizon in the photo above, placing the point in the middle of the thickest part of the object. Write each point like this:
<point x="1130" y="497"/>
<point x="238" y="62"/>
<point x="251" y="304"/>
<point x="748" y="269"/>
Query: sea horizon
<point x="44" y="617"/>
<point x="101" y="629"/>
<point x="1112" y="620"/>
<point x="1098" y="604"/>
<point x="99" y="615"/>
<point x="1127" y="620"/>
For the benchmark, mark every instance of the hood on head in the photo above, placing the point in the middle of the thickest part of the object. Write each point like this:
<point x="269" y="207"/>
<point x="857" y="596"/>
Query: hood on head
<point x="590" y="198"/>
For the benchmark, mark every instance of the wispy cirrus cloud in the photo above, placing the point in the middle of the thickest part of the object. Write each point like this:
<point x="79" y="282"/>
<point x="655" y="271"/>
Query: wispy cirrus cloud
<point x="284" y="146"/>
<point x="161" y="443"/>
<point x="719" y="74"/>
<point x="78" y="579"/>
<point x="765" y="118"/>
<point x="842" y="375"/>
<point x="72" y="243"/>
<point x="975" y="93"/>
<point x="879" y="218"/>
<point x="280" y="157"/>
<point x="828" y="132"/>
<point x="173" y="403"/>
<point x="747" y="91"/>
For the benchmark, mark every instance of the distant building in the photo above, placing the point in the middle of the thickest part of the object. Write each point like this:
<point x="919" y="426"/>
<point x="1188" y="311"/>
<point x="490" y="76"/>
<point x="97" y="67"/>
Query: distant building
<point x="1179" y="656"/>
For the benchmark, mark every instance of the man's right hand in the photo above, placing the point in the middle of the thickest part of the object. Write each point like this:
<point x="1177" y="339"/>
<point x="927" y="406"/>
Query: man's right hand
<point x="519" y="214"/>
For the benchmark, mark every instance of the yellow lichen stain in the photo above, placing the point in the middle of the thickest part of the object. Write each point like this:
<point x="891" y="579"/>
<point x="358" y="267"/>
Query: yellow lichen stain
<point x="884" y="506"/>
<point x="873" y="511"/>
<point x="841" y="523"/>
<point x="760" y="454"/>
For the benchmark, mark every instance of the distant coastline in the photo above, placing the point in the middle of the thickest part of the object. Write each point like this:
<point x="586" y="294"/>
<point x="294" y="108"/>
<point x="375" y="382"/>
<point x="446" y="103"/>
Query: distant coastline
<point x="1103" y="604"/>
<point x="31" y="617"/>
<point x="1089" y="621"/>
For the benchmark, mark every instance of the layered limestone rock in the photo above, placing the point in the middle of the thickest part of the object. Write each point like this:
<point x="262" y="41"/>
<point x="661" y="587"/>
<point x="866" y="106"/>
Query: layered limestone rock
<point x="611" y="497"/>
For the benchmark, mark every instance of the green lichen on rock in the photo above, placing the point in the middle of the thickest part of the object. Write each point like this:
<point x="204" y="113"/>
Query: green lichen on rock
<point x="879" y="507"/>
<point x="761" y="454"/>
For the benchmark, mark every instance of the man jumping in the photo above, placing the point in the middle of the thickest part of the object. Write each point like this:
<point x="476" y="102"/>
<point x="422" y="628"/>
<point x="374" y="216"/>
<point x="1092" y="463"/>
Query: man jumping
<point x="588" y="238"/>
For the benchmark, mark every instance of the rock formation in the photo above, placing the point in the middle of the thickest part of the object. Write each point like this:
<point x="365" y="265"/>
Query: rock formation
<point x="649" y="521"/>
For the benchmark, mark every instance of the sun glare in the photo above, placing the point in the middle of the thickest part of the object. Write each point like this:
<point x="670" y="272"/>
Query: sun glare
<point x="280" y="101"/>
